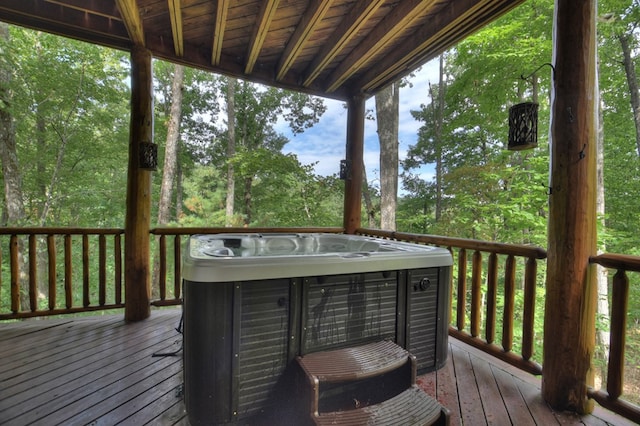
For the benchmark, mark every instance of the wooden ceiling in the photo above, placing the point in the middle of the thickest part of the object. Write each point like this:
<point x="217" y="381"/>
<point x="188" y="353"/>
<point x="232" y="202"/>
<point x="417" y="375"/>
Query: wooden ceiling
<point x="337" y="49"/>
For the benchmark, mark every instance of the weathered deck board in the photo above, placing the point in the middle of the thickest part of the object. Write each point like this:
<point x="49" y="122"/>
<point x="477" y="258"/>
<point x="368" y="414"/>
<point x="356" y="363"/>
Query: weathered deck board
<point x="98" y="370"/>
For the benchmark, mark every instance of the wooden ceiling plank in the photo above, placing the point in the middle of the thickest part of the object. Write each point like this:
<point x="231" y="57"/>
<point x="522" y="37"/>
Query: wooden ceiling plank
<point x="175" y="15"/>
<point x="267" y="12"/>
<point x="218" y="31"/>
<point x="310" y="20"/>
<point x="416" y="49"/>
<point x="348" y="28"/>
<point x="393" y="24"/>
<point x="131" y="17"/>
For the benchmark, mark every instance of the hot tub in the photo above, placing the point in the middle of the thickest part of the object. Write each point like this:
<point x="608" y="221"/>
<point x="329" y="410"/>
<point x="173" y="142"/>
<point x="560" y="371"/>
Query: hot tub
<point x="252" y="302"/>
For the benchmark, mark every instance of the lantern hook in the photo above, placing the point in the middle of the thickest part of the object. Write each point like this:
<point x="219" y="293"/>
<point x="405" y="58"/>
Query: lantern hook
<point x="538" y="69"/>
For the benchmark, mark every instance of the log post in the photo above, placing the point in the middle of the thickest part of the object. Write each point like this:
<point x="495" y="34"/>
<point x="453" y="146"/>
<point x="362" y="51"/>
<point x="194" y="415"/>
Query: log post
<point x="138" y="216"/>
<point x="569" y="324"/>
<point x="355" y="164"/>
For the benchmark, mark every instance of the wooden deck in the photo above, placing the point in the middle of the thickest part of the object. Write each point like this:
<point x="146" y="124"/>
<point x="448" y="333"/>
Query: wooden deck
<point x="100" y="371"/>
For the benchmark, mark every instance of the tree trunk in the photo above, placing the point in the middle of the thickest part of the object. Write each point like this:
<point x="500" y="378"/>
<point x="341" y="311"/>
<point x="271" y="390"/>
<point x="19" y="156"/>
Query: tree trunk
<point x="387" y="102"/>
<point x="438" y="139"/>
<point x="170" y="164"/>
<point x="632" y="82"/>
<point x="179" y="192"/>
<point x="366" y="195"/>
<point x="171" y="148"/>
<point x="14" y="203"/>
<point x="231" y="149"/>
<point x="602" y="336"/>
<point x="248" y="182"/>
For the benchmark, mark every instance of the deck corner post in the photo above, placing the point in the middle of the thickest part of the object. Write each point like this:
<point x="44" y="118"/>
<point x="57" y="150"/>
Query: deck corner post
<point x="138" y="215"/>
<point x="355" y="164"/>
<point x="569" y="322"/>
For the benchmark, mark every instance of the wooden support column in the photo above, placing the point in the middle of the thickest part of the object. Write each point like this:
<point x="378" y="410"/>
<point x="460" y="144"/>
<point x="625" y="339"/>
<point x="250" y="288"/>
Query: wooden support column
<point x="138" y="216"/>
<point x="569" y="324"/>
<point x="355" y="164"/>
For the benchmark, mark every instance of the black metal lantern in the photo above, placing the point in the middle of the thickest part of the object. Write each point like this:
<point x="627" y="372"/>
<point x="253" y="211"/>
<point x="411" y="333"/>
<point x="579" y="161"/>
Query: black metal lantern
<point x="148" y="156"/>
<point x="523" y="126"/>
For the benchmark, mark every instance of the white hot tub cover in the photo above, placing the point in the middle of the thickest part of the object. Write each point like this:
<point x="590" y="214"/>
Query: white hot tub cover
<point x="253" y="256"/>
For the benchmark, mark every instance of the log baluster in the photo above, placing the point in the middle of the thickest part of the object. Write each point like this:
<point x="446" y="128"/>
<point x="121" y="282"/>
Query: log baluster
<point x="51" y="258"/>
<point x="163" y="267"/>
<point x="33" y="273"/>
<point x="14" y="253"/>
<point x="86" y="301"/>
<point x="102" y="266"/>
<point x="619" y="305"/>
<point x="177" y="259"/>
<point x="492" y="291"/>
<point x="68" y="272"/>
<point x="117" y="252"/>
<point x="509" y="303"/>
<point x="529" y="311"/>
<point x="462" y="288"/>
<point x="476" y="293"/>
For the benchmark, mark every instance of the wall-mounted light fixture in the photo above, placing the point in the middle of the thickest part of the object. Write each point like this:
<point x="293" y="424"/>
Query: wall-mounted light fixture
<point x="148" y="156"/>
<point x="523" y="122"/>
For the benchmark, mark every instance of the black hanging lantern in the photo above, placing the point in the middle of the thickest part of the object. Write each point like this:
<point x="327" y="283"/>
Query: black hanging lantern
<point x="148" y="156"/>
<point x="523" y="126"/>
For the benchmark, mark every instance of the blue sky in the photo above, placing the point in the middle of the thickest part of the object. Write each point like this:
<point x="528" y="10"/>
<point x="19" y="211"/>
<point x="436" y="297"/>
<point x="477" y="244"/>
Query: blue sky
<point x="325" y="142"/>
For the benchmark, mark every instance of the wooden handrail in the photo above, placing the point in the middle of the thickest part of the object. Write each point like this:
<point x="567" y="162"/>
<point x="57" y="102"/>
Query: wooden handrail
<point x="617" y="261"/>
<point x="462" y="243"/>
<point x="239" y="230"/>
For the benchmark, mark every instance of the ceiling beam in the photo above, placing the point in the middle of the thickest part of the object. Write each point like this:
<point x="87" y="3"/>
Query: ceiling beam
<point x="56" y="18"/>
<point x="392" y="26"/>
<point x="102" y="8"/>
<point x="357" y="17"/>
<point x="448" y="25"/>
<point x="267" y="12"/>
<point x="175" y="15"/>
<point x="131" y="17"/>
<point x="218" y="31"/>
<point x="311" y="18"/>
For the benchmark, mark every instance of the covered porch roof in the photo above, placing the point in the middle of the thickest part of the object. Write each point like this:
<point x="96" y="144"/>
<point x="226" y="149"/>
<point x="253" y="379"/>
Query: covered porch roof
<point x="336" y="49"/>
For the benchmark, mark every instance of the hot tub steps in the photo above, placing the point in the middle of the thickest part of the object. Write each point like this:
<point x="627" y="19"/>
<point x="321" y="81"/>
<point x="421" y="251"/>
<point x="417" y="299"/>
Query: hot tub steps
<point x="368" y="384"/>
<point x="411" y="407"/>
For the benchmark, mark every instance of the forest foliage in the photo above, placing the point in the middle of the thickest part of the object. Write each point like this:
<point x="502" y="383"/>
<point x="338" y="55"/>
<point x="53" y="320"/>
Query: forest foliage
<point x="70" y="107"/>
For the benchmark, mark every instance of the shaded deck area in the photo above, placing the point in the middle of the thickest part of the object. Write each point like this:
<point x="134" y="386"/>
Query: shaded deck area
<point x="98" y="370"/>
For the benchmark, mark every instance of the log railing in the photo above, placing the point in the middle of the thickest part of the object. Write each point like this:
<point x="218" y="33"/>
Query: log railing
<point x="51" y="271"/>
<point x="610" y="398"/>
<point x="473" y="303"/>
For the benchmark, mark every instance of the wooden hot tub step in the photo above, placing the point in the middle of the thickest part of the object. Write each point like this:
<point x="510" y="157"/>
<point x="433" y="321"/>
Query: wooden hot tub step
<point x="411" y="407"/>
<point x="371" y="384"/>
<point x="356" y="363"/>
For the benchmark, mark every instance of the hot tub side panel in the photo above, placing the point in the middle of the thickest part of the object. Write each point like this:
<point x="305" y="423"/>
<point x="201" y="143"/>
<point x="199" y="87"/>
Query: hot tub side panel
<point x="264" y="348"/>
<point x="240" y="336"/>
<point x="344" y="310"/>
<point x="208" y="332"/>
<point x="428" y="319"/>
